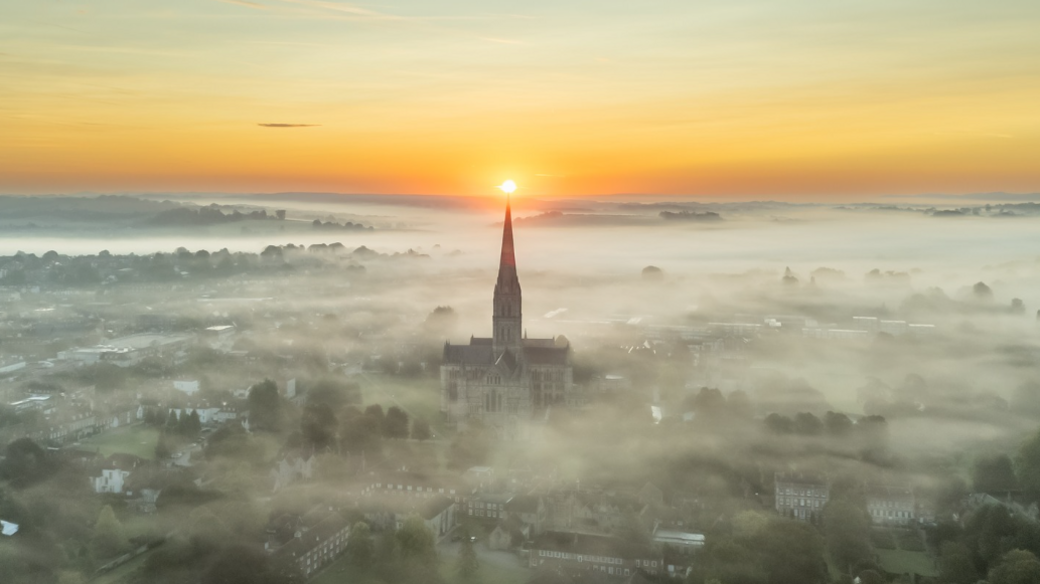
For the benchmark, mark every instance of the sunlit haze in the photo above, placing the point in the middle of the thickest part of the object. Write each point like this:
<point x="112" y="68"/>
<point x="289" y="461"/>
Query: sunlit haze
<point x="797" y="99"/>
<point x="544" y="292"/>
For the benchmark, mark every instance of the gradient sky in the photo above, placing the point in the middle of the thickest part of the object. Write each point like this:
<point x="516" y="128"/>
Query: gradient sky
<point x="784" y="99"/>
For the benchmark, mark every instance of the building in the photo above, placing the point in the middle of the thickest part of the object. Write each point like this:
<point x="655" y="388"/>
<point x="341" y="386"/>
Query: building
<point x="313" y="548"/>
<point x="110" y="481"/>
<point x="682" y="540"/>
<point x="891" y="505"/>
<point x="507" y="378"/>
<point x="437" y="513"/>
<point x="582" y="553"/>
<point x="801" y="495"/>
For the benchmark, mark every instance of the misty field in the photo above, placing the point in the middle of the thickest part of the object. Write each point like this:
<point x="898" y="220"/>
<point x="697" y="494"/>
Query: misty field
<point x="136" y="440"/>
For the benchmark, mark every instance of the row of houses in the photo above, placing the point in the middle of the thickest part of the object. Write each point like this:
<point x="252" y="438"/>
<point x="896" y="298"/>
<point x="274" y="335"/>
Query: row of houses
<point x="802" y="496"/>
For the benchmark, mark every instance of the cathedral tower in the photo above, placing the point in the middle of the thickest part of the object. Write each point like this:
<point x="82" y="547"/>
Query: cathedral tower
<point x="508" y="314"/>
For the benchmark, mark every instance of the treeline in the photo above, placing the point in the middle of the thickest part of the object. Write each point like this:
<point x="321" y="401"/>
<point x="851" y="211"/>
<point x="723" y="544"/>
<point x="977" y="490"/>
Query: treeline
<point x="211" y="215"/>
<point x="333" y="226"/>
<point x="707" y="216"/>
<point x="329" y="422"/>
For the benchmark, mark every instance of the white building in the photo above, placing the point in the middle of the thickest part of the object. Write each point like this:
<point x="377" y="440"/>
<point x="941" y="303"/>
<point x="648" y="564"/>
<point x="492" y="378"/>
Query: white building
<point x="110" y="481"/>
<point x="188" y="387"/>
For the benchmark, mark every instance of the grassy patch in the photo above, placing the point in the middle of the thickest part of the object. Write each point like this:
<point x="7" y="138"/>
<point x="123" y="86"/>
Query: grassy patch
<point x="882" y="539"/>
<point x="903" y="562"/>
<point x="911" y="541"/>
<point x="341" y="571"/>
<point x="138" y="440"/>
<point x="420" y="397"/>
<point x="487" y="574"/>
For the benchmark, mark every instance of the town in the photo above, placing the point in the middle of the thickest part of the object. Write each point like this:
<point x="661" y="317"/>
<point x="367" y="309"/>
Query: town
<point x="283" y="416"/>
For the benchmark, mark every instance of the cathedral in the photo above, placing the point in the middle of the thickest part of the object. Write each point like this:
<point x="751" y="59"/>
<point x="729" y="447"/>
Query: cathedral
<point x="507" y="378"/>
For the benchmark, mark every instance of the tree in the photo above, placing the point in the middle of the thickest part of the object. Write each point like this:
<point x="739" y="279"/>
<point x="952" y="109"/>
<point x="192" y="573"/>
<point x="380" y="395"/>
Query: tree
<point x="318" y="426"/>
<point x="778" y="424"/>
<point x="1016" y="567"/>
<point x="837" y="424"/>
<point x="395" y="425"/>
<point x="467" y="564"/>
<point x="709" y="403"/>
<point x="25" y="463"/>
<point x="265" y="406"/>
<point x="194" y="424"/>
<point x="441" y="322"/>
<point x="791" y="551"/>
<point x="994" y="474"/>
<point x="360" y="433"/>
<point x="846" y="527"/>
<point x="1027" y="466"/>
<point x="162" y="448"/>
<point x="807" y="424"/>
<point x="956" y="565"/>
<point x="415" y="540"/>
<point x="109" y="539"/>
<point x="173" y="421"/>
<point x="421" y="429"/>
<point x="360" y="548"/>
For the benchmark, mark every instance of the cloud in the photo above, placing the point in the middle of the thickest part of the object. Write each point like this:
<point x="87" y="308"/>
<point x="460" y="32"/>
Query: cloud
<point x="347" y="8"/>
<point x="501" y="41"/>
<point x="280" y="125"/>
<point x="246" y="3"/>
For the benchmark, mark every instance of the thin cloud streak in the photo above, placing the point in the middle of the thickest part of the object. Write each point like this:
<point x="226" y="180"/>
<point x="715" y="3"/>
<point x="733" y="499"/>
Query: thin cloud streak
<point x="280" y="125"/>
<point x="501" y="41"/>
<point x="245" y="3"/>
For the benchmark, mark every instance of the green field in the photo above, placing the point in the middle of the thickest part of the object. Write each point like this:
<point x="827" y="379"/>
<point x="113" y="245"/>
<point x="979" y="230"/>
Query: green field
<point x="903" y="562"/>
<point x="419" y="397"/>
<point x="340" y="572"/>
<point x="138" y="440"/>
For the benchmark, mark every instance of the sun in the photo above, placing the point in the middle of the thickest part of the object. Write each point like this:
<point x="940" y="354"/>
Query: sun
<point x="508" y="187"/>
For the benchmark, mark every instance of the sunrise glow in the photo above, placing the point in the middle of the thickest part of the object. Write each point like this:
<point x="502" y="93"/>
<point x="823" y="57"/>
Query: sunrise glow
<point x="790" y="100"/>
<point x="508" y="187"/>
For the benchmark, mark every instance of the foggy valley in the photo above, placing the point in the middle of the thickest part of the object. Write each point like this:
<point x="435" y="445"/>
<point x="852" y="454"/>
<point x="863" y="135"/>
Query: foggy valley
<point x="321" y="388"/>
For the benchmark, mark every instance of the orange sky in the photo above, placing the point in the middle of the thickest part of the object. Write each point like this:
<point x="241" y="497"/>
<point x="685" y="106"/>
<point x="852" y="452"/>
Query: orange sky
<point x="796" y="99"/>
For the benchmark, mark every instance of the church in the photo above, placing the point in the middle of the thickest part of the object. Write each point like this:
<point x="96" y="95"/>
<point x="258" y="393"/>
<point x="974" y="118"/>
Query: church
<point x="507" y="378"/>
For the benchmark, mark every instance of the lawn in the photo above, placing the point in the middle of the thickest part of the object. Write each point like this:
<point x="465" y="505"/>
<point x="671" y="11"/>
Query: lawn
<point x="138" y="440"/>
<point x="488" y="573"/>
<point x="340" y="572"/>
<point x="903" y="562"/>
<point x="419" y="397"/>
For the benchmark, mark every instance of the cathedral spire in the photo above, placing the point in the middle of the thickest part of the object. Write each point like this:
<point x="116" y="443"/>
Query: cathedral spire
<point x="508" y="258"/>
<point x="508" y="304"/>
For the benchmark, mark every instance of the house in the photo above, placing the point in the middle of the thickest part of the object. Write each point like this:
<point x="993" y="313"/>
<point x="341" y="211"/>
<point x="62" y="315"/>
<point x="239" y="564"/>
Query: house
<point x="582" y="554"/>
<point x="188" y="387"/>
<point x="529" y="510"/>
<point x="110" y="481"/>
<point x="483" y="505"/>
<point x="413" y="484"/>
<point x="290" y="469"/>
<point x="889" y="505"/>
<point x="313" y="548"/>
<point x="801" y="495"/>
<point x="114" y="472"/>
<point x="508" y="534"/>
<point x="679" y="539"/>
<point x="651" y="495"/>
<point x="605" y="511"/>
<point x="437" y="513"/>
